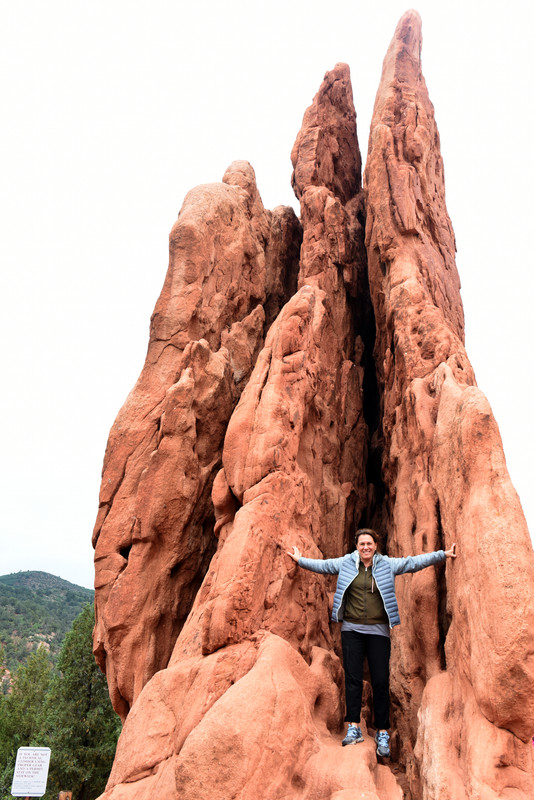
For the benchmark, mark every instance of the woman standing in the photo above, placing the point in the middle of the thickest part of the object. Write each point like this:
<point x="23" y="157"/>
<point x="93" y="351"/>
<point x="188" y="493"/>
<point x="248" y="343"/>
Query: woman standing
<point x="365" y="604"/>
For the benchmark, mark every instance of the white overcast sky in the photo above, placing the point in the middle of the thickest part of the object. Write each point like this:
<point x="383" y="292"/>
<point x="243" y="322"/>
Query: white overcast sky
<point x="113" y="110"/>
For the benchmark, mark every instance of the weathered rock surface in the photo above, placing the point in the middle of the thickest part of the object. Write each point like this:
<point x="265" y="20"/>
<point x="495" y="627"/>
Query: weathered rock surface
<point x="464" y="656"/>
<point x="230" y="259"/>
<point x="285" y="401"/>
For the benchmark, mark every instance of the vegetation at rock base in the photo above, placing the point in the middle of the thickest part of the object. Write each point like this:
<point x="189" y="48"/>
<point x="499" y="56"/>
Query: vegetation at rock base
<point x="36" y="608"/>
<point x="66" y="708"/>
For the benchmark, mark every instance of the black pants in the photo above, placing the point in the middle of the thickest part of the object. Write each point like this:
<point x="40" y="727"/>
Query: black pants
<point x="356" y="646"/>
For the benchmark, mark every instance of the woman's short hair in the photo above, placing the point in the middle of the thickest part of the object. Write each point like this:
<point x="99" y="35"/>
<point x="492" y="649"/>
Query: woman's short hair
<point x="366" y="532"/>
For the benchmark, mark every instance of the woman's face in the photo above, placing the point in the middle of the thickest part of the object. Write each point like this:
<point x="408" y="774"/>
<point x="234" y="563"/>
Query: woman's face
<point x="366" y="546"/>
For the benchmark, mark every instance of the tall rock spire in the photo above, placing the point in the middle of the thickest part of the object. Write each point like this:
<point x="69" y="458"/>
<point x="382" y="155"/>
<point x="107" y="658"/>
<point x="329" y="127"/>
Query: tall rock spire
<point x="444" y="470"/>
<point x="327" y="180"/>
<point x="326" y="151"/>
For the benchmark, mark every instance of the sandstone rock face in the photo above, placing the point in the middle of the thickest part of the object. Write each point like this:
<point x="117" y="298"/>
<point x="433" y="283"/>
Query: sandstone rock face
<point x="300" y="383"/>
<point x="463" y="655"/>
<point x="229" y="260"/>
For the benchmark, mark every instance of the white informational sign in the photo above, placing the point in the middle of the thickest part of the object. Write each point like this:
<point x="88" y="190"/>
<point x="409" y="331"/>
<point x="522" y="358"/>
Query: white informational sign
<point x="31" y="772"/>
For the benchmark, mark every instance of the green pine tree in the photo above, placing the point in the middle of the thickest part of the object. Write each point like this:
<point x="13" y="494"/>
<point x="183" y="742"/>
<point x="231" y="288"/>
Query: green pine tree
<point x="81" y="725"/>
<point x="22" y="714"/>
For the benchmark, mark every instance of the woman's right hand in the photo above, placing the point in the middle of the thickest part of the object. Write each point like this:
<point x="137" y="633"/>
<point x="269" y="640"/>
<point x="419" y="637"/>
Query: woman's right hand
<point x="296" y="554"/>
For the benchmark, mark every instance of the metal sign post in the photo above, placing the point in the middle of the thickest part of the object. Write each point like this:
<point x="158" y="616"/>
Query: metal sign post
<point x="31" y="772"/>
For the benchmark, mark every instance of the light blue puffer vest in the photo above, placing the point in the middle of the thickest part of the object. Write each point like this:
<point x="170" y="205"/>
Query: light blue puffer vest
<point x="384" y="571"/>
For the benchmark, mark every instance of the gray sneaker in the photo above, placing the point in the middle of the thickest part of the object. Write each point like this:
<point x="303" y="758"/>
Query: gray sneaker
<point x="354" y="735"/>
<point x="382" y="741"/>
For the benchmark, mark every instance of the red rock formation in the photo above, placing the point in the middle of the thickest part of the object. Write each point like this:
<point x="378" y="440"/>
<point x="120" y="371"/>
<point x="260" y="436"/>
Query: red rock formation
<point x="319" y="437"/>
<point x="229" y="258"/>
<point x="445" y="474"/>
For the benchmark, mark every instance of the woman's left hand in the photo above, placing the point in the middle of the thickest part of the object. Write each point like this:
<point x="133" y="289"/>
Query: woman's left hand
<point x="452" y="552"/>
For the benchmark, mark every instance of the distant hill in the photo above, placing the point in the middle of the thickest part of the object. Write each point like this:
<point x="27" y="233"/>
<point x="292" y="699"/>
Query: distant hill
<point x="37" y="608"/>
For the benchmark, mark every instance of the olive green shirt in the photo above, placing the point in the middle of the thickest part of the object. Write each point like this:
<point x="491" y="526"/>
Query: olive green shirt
<point x="363" y="601"/>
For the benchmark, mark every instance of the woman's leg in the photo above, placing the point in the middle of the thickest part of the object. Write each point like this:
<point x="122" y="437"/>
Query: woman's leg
<point x="353" y="654"/>
<point x="378" y="652"/>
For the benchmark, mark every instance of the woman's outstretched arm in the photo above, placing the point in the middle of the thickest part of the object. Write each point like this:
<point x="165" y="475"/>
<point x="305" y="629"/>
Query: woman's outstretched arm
<point x="415" y="563"/>
<point x="326" y="566"/>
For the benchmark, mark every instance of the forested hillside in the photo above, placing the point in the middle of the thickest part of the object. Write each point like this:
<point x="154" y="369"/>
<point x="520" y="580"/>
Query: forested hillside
<point x="36" y="608"/>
